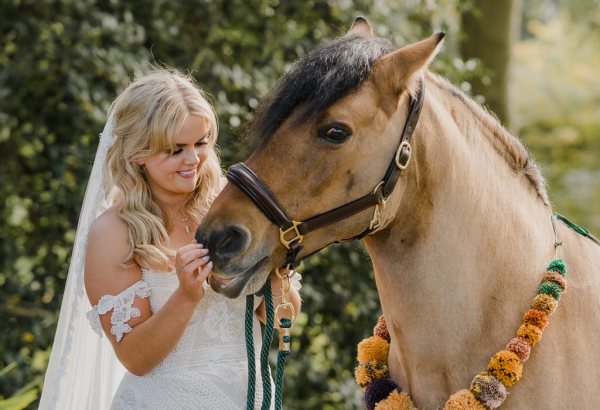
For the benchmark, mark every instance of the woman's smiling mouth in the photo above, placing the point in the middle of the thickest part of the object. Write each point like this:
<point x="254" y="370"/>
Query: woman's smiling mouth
<point x="190" y="173"/>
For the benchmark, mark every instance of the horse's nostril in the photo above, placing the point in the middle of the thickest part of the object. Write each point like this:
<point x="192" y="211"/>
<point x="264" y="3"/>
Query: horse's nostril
<point x="229" y="242"/>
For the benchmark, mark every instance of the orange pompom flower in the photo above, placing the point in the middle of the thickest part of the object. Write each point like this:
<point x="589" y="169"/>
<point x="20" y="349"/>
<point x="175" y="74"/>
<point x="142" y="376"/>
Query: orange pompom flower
<point x="506" y="367"/>
<point x="463" y="400"/>
<point x="373" y="348"/>
<point x="537" y="318"/>
<point x="396" y="401"/>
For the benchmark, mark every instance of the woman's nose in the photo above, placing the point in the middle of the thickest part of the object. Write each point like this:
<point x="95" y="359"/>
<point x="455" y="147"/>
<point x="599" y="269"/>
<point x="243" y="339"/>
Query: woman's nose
<point x="192" y="157"/>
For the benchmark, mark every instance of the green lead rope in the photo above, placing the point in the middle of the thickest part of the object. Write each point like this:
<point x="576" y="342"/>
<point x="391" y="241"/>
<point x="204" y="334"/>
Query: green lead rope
<point x="250" y="351"/>
<point x="264" y="356"/>
<point x="267" y="339"/>
<point x="577" y="228"/>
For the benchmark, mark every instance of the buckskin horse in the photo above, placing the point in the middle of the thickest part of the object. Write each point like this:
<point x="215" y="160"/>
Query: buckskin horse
<point x="452" y="210"/>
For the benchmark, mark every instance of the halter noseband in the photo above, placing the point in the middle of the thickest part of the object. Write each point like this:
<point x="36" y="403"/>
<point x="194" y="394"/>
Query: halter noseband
<point x="291" y="232"/>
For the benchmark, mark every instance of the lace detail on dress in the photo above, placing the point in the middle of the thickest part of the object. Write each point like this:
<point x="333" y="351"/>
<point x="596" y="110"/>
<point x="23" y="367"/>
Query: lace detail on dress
<point x="208" y="367"/>
<point x="122" y="307"/>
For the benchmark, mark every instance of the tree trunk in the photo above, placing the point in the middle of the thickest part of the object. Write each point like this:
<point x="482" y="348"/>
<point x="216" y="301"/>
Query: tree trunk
<point x="490" y="29"/>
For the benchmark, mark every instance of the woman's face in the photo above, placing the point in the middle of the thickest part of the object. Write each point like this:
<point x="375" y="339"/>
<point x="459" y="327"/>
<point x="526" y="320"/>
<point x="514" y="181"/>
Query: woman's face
<point x="176" y="174"/>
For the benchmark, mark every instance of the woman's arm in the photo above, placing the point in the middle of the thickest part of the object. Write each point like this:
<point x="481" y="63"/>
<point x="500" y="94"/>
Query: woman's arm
<point x="152" y="336"/>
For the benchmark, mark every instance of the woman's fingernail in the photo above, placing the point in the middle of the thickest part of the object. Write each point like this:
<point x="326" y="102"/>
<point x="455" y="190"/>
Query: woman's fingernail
<point x="200" y="245"/>
<point x="205" y="258"/>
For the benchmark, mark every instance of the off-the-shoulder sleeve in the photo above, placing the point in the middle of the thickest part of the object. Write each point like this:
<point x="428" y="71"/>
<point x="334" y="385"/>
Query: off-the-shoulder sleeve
<point x="122" y="307"/>
<point x="295" y="279"/>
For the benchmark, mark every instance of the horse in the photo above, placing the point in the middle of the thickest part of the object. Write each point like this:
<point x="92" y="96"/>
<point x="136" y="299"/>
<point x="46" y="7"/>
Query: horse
<point x="459" y="242"/>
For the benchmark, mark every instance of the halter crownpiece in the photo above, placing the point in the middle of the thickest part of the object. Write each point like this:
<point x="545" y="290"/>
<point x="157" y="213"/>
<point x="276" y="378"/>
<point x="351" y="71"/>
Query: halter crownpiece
<point x="292" y="232"/>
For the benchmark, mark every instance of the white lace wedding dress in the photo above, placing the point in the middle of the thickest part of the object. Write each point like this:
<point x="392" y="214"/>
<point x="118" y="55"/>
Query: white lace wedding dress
<point x="208" y="367"/>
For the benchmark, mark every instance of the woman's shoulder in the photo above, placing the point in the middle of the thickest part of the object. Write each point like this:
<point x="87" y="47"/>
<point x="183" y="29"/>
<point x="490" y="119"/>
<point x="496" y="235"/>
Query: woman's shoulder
<point x="108" y="239"/>
<point x="109" y="222"/>
<point x="107" y="248"/>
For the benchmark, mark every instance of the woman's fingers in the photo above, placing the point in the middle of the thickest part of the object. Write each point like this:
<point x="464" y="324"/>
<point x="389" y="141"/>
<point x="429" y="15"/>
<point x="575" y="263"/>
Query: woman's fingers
<point x="192" y="266"/>
<point x="191" y="255"/>
<point x="204" y="272"/>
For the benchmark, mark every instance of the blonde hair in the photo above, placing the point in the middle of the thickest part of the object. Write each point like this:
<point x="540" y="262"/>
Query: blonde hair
<point x="147" y="116"/>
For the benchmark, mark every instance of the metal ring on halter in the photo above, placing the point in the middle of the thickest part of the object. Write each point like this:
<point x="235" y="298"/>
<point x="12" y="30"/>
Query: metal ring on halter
<point x="406" y="149"/>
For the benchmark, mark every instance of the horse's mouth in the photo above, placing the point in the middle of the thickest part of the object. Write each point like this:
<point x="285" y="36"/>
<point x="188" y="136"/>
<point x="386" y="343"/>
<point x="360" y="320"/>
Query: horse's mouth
<point x="232" y="286"/>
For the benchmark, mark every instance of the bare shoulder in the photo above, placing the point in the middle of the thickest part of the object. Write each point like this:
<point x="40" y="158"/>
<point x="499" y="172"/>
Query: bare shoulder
<point x="107" y="247"/>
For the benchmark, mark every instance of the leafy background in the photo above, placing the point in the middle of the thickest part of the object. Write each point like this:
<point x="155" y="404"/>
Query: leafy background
<point x="63" y="61"/>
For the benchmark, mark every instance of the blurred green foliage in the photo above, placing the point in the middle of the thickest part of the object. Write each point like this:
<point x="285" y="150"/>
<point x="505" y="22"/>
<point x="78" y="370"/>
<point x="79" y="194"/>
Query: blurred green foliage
<point x="63" y="61"/>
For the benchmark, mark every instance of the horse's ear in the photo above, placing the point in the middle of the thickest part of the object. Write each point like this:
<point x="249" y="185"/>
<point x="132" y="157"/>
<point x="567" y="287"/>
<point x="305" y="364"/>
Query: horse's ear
<point x="401" y="69"/>
<point x="361" y="27"/>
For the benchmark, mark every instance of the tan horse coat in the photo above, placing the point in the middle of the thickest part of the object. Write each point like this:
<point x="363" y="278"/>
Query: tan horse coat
<point x="481" y="237"/>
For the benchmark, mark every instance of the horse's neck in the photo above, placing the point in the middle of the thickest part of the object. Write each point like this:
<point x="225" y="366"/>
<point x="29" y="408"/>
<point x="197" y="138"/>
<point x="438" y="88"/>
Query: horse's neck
<point x="457" y="267"/>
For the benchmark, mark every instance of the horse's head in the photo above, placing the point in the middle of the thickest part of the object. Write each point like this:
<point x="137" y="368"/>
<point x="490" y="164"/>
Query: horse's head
<point x="326" y="136"/>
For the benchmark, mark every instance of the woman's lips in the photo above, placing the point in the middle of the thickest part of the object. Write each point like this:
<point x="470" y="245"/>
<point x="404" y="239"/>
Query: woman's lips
<point x="190" y="173"/>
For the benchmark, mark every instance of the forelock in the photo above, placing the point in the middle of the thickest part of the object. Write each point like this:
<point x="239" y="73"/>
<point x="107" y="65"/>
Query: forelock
<point x="317" y="80"/>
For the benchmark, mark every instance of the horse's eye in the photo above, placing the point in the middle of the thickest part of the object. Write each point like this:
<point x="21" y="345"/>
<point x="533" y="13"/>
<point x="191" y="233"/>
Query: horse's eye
<point x="335" y="133"/>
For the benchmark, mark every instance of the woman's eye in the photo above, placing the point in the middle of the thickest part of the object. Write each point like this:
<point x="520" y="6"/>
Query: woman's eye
<point x="335" y="133"/>
<point x="202" y="142"/>
<point x="177" y="151"/>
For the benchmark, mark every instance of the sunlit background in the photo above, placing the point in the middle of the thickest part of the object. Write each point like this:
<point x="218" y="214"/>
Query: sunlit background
<point x="533" y="62"/>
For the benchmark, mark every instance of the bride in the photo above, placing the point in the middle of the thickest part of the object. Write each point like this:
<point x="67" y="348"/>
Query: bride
<point x="178" y="343"/>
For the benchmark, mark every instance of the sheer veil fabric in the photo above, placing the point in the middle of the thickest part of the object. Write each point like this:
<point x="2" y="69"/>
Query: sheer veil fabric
<point x="83" y="371"/>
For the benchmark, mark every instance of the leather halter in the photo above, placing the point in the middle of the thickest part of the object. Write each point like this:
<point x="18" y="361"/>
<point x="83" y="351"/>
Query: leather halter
<point x="291" y="232"/>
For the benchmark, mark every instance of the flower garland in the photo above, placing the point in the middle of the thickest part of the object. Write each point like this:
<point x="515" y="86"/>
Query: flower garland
<point x="488" y="388"/>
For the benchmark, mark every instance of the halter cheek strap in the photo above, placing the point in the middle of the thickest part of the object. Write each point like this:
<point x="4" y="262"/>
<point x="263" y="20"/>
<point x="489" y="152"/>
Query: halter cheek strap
<point x="291" y="232"/>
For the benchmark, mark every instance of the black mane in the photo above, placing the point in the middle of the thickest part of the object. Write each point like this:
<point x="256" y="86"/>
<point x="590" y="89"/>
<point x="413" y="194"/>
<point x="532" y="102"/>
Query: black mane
<point x="323" y="76"/>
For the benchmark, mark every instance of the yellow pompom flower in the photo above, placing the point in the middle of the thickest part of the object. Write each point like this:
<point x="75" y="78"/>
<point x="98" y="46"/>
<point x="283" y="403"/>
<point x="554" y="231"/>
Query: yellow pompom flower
<point x="367" y="372"/>
<point x="373" y="348"/>
<point x="530" y="333"/>
<point x="545" y="303"/>
<point x="396" y="401"/>
<point x="506" y="367"/>
<point x="361" y="374"/>
<point x="463" y="400"/>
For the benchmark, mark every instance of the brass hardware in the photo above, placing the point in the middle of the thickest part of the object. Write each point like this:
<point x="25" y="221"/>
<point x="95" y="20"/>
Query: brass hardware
<point x="297" y="235"/>
<point x="284" y="339"/>
<point x="285" y="305"/>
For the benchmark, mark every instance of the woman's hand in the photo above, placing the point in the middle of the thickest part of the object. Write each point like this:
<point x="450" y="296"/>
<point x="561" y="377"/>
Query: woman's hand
<point x="192" y="265"/>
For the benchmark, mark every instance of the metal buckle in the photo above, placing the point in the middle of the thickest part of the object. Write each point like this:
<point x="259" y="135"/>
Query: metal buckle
<point x="379" y="208"/>
<point x="403" y="145"/>
<point x="297" y="235"/>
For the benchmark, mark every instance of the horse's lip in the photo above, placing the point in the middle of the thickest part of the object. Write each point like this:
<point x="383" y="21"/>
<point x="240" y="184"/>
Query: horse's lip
<point x="233" y="286"/>
<point x="220" y="281"/>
